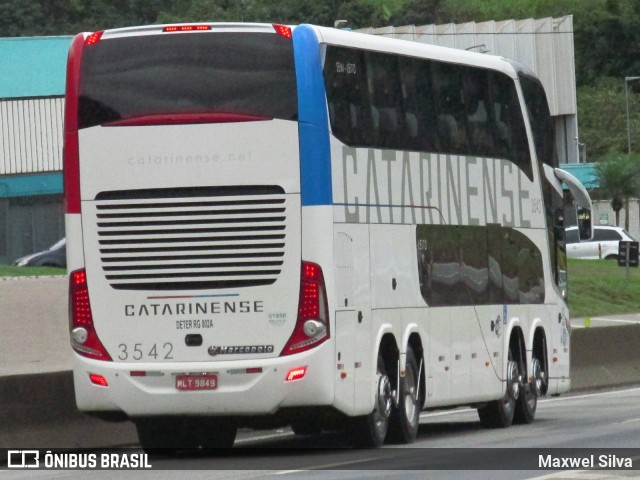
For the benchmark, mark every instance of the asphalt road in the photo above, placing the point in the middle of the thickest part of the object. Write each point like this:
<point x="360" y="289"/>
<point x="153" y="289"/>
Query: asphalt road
<point x="601" y="420"/>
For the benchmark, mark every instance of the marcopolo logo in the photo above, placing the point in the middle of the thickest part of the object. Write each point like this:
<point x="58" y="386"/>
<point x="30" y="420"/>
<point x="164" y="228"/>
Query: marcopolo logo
<point x="244" y="349"/>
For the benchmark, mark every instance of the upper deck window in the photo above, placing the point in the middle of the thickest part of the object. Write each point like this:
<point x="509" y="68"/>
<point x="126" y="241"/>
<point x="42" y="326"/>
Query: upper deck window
<point x="388" y="101"/>
<point x="250" y="74"/>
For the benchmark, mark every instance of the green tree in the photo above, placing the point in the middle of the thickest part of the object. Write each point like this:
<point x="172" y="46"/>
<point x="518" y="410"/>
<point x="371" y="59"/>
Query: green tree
<point x="419" y="12"/>
<point x="607" y="33"/>
<point x="602" y="116"/>
<point x="18" y="17"/>
<point x="360" y="13"/>
<point x="619" y="180"/>
<point x="67" y="17"/>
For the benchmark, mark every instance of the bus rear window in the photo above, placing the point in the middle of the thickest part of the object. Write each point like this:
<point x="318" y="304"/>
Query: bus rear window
<point x="243" y="74"/>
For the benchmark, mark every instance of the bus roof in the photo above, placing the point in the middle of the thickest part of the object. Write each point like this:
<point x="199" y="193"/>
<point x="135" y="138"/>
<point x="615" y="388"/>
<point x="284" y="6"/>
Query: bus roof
<point x="346" y="38"/>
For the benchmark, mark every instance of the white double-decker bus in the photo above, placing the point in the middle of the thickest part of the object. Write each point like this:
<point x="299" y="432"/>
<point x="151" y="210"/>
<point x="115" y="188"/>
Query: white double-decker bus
<point x="274" y="225"/>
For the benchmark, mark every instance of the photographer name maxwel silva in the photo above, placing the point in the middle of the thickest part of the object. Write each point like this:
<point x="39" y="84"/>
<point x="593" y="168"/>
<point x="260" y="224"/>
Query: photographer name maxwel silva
<point x="588" y="461"/>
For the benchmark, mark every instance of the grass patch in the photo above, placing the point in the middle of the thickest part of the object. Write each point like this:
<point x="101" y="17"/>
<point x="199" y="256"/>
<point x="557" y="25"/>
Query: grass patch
<point x="11" y="271"/>
<point x="600" y="287"/>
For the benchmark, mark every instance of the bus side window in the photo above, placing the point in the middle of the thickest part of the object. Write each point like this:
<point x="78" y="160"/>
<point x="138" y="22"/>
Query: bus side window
<point x="479" y="118"/>
<point x="417" y="103"/>
<point x="385" y="100"/>
<point x="478" y="265"/>
<point x="344" y="76"/>
<point x="451" y="124"/>
<point x="511" y="135"/>
<point x="499" y="99"/>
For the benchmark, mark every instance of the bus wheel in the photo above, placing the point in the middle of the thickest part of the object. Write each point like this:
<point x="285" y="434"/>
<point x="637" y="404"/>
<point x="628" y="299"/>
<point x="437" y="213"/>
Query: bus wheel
<point x="309" y="426"/>
<point x="403" y="427"/>
<point x="160" y="435"/>
<point x="528" y="401"/>
<point x="499" y="413"/>
<point x="371" y="430"/>
<point x="166" y="435"/>
<point x="210" y="433"/>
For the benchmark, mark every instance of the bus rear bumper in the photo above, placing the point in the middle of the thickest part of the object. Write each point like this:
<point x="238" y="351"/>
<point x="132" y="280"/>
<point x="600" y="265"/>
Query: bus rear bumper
<point x="247" y="387"/>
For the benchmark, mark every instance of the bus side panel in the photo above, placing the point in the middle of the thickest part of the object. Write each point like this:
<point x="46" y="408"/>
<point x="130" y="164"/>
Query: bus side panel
<point x="463" y="330"/>
<point x="394" y="281"/>
<point x="345" y="333"/>
<point x="559" y="350"/>
<point x="439" y="359"/>
<point x="73" y="232"/>
<point x="485" y="345"/>
<point x="353" y="330"/>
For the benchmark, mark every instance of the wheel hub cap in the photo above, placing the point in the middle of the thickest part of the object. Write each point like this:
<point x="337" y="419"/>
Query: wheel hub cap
<point x="385" y="396"/>
<point x="513" y="380"/>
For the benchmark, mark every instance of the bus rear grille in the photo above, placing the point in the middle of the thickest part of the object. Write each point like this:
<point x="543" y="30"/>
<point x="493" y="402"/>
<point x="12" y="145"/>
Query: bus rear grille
<point x="191" y="238"/>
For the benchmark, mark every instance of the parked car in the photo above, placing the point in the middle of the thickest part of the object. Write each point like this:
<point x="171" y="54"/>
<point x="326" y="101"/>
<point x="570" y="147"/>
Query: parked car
<point x="55" y="256"/>
<point x="603" y="245"/>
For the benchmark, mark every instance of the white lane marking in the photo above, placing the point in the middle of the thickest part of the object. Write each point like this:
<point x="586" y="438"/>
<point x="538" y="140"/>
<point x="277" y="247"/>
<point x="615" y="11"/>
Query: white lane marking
<point x="589" y="395"/>
<point x="329" y="466"/>
<point x="575" y="475"/>
<point x="631" y="420"/>
<point x="268" y="436"/>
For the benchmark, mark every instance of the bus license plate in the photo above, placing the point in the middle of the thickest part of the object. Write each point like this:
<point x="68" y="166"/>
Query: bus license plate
<point x="204" y="381"/>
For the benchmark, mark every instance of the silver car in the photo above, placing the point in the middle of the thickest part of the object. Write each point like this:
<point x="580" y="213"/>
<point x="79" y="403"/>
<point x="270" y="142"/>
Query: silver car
<point x="55" y="256"/>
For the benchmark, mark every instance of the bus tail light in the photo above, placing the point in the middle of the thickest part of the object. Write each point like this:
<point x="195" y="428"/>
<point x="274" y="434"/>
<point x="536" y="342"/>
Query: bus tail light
<point x="84" y="338"/>
<point x="296" y="374"/>
<point x="186" y="28"/>
<point x="283" y="30"/>
<point x="312" y="325"/>
<point x="93" y="38"/>
<point x="98" y="380"/>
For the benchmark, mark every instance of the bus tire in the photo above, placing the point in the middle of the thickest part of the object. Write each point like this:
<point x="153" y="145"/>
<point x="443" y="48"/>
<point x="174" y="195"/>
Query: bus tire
<point x="404" y="421"/>
<point x="210" y="433"/>
<point x="528" y="402"/>
<point x="371" y="430"/>
<point x="166" y="435"/>
<point x="309" y="426"/>
<point x="500" y="413"/>
<point x="160" y="435"/>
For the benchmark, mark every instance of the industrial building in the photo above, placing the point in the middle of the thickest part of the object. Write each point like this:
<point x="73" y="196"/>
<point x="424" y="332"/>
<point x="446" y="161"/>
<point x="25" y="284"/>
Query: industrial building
<point x="31" y="121"/>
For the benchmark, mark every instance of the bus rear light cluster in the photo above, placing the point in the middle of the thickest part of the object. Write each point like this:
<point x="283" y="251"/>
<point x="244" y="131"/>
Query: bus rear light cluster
<point x="84" y="338"/>
<point x="98" y="380"/>
<point x="93" y="38"/>
<point x="296" y="374"/>
<point x="312" y="325"/>
<point x="283" y="30"/>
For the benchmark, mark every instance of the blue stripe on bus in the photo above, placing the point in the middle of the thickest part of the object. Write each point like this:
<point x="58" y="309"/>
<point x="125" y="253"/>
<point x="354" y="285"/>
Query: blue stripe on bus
<point x="315" y="160"/>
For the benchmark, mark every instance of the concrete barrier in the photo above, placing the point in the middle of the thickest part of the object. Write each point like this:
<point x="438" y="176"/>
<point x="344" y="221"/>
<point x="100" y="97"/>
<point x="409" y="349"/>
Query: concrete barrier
<point x="37" y="404"/>
<point x="605" y="357"/>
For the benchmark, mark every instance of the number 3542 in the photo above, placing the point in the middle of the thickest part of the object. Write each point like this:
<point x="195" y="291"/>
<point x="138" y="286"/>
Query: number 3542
<point x="139" y="351"/>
